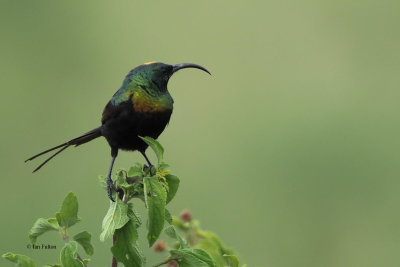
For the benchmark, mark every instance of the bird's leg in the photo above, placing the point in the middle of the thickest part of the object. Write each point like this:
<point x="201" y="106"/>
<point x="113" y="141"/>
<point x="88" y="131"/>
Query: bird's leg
<point x="110" y="184"/>
<point x="148" y="161"/>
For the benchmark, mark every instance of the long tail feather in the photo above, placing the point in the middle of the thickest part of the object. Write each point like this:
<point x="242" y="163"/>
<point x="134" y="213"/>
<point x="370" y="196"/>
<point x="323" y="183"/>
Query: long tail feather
<point x="76" y="142"/>
<point x="52" y="156"/>
<point x="46" y="151"/>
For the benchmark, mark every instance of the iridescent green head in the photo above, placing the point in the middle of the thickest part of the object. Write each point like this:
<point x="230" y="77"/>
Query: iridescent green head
<point x="156" y="74"/>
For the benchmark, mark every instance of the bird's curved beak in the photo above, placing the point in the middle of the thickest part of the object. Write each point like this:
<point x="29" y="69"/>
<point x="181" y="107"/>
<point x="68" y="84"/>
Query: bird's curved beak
<point x="180" y="66"/>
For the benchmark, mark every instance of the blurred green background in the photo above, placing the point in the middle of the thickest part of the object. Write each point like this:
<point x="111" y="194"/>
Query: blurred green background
<point x="290" y="151"/>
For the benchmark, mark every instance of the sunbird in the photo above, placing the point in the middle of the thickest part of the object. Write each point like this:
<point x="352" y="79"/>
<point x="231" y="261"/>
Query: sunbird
<point x="141" y="107"/>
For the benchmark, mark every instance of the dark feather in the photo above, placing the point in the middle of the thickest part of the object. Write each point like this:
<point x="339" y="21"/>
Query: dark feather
<point x="76" y="142"/>
<point x="122" y="125"/>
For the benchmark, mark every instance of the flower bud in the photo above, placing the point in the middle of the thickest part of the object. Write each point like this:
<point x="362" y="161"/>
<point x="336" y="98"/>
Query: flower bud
<point x="159" y="246"/>
<point x="172" y="264"/>
<point x="186" y="216"/>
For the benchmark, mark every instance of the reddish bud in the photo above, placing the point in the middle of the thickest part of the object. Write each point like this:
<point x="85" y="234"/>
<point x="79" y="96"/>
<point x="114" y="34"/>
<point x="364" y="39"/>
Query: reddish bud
<point x="186" y="216"/>
<point x="172" y="264"/>
<point x="159" y="246"/>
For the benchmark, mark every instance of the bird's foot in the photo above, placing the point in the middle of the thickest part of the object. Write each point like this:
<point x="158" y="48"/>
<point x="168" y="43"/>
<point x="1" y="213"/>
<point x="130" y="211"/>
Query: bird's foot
<point x="149" y="168"/>
<point x="110" y="188"/>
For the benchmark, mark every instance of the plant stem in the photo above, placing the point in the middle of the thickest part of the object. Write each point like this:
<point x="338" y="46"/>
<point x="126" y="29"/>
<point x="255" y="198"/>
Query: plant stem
<point x="114" y="262"/>
<point x="80" y="258"/>
<point x="65" y="237"/>
<point x="64" y="234"/>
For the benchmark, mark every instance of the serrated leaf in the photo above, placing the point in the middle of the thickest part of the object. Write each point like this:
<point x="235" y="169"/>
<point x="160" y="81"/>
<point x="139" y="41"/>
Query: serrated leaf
<point x="192" y="258"/>
<point x="42" y="226"/>
<point x="155" y="146"/>
<point x="135" y="170"/>
<point x="125" y="249"/>
<point x="68" y="214"/>
<point x="120" y="178"/>
<point x="116" y="217"/>
<point x="83" y="238"/>
<point x="102" y="181"/>
<point x="133" y="215"/>
<point x="203" y="255"/>
<point x="168" y="217"/>
<point x="155" y="198"/>
<point x="68" y="255"/>
<point x="171" y="232"/>
<point x="19" y="260"/>
<point x="173" y="184"/>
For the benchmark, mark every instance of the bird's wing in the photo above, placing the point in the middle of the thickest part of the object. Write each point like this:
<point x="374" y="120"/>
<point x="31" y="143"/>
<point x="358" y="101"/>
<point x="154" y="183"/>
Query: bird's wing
<point x="113" y="111"/>
<point x="125" y="92"/>
<point x="110" y="111"/>
<point x="120" y="99"/>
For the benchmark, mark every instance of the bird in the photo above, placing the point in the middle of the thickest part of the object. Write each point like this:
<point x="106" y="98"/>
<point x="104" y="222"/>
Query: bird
<point x="142" y="106"/>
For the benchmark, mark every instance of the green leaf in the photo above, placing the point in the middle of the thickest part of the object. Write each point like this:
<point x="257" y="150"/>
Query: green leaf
<point x="232" y="260"/>
<point x="155" y="198"/>
<point x="102" y="181"/>
<point x="52" y="265"/>
<point x="116" y="217"/>
<point x="120" y="178"/>
<point x="214" y="238"/>
<point x="168" y="217"/>
<point x="42" y="226"/>
<point x="68" y="255"/>
<point x="134" y="190"/>
<point x="125" y="249"/>
<point x="192" y="258"/>
<point x="133" y="215"/>
<point x="68" y="214"/>
<point x="83" y="238"/>
<point x="171" y="232"/>
<point x="163" y="166"/>
<point x="213" y="250"/>
<point x="135" y="170"/>
<point x="156" y="146"/>
<point x="19" y="260"/>
<point x="173" y="184"/>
